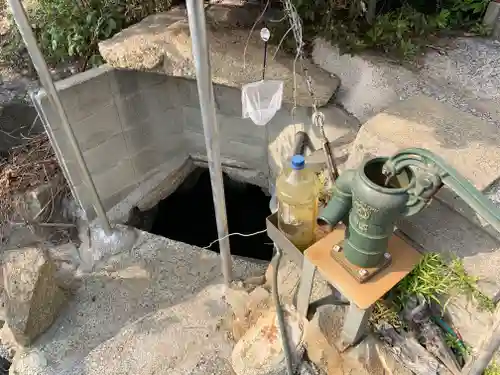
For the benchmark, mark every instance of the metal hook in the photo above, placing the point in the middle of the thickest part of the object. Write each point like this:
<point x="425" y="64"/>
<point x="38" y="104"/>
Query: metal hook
<point x="318" y="119"/>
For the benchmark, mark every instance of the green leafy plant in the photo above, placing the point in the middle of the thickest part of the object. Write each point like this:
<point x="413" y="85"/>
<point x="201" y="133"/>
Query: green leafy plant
<point x="493" y="369"/>
<point x="457" y="345"/>
<point x="433" y="279"/>
<point x="402" y="32"/>
<point x="70" y="30"/>
<point x="383" y="311"/>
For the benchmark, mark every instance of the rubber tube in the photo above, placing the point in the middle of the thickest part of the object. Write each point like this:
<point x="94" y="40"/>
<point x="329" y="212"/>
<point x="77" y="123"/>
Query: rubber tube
<point x="275" y="262"/>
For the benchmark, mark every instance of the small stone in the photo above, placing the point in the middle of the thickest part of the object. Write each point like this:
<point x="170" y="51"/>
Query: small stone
<point x="32" y="362"/>
<point x="329" y="319"/>
<point x="375" y="357"/>
<point x="260" y="352"/>
<point x="33" y="296"/>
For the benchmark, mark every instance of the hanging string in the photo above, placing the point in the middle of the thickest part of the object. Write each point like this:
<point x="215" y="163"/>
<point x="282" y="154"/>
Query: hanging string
<point x="252" y="30"/>
<point x="265" y="34"/>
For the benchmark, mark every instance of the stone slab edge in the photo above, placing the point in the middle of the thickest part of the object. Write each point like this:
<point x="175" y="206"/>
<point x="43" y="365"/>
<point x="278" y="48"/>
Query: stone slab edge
<point x="370" y="140"/>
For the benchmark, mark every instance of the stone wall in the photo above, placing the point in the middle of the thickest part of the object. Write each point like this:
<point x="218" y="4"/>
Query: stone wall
<point x="134" y="125"/>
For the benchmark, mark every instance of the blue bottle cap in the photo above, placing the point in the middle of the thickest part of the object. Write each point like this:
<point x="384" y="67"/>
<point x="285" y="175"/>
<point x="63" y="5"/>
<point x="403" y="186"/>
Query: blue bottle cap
<point x="298" y="162"/>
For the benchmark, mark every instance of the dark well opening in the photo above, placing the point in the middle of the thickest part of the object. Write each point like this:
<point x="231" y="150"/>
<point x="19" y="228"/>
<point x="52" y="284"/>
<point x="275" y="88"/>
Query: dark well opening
<point x="188" y="215"/>
<point x="373" y="171"/>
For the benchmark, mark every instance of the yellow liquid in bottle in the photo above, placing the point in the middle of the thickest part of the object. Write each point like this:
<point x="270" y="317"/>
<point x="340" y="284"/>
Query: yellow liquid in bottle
<point x="297" y="195"/>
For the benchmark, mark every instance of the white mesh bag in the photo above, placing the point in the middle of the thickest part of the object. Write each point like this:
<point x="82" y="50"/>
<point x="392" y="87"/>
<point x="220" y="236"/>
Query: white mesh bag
<point x="261" y="100"/>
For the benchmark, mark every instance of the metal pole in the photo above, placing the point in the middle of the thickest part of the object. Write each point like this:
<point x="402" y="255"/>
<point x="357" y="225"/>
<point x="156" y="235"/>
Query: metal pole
<point x="198" y="30"/>
<point x="40" y="65"/>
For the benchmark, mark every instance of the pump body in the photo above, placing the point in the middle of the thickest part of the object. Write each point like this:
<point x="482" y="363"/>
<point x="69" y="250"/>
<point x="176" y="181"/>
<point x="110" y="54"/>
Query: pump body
<point x="370" y="200"/>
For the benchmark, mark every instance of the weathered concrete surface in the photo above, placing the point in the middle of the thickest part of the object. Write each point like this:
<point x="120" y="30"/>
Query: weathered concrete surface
<point x="376" y="358"/>
<point x="468" y="144"/>
<point x="439" y="229"/>
<point x="153" y="124"/>
<point x="183" y="339"/>
<point x="461" y="77"/>
<point x="260" y="351"/>
<point x="465" y="142"/>
<point x="152" y="190"/>
<point x="248" y="307"/>
<point x="340" y="129"/>
<point x="156" y="274"/>
<point x="33" y="297"/>
<point x="162" y="43"/>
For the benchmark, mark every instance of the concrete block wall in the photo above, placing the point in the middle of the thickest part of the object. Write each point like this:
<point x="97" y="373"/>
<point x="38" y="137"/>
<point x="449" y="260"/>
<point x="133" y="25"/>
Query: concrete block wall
<point x="128" y="126"/>
<point x="131" y="125"/>
<point x="241" y="141"/>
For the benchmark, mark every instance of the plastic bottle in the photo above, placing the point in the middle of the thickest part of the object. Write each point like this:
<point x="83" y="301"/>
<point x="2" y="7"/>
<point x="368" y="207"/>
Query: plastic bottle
<point x="297" y="194"/>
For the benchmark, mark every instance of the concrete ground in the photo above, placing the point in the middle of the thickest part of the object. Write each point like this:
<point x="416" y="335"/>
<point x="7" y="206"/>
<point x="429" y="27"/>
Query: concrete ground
<point x="163" y="286"/>
<point x="162" y="308"/>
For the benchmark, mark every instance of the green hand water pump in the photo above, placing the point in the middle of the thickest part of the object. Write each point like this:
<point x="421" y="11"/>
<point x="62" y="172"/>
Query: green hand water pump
<point x="370" y="199"/>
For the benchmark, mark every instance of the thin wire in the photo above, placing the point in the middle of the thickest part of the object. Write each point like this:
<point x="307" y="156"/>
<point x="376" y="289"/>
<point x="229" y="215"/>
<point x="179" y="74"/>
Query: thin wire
<point x="296" y="27"/>
<point x="234" y="234"/>
<point x="251" y="32"/>
<point x="281" y="42"/>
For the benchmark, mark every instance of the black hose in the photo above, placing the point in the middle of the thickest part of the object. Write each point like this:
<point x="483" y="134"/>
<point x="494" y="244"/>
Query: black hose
<point x="275" y="262"/>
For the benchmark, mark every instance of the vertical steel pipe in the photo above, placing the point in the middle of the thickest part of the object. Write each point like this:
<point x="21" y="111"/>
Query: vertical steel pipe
<point x="201" y="57"/>
<point x="41" y="67"/>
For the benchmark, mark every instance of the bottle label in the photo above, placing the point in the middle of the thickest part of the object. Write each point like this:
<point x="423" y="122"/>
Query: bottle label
<point x="287" y="216"/>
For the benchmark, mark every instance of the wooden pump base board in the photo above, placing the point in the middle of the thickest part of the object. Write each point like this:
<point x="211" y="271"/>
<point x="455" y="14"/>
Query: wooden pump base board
<point x="361" y="274"/>
<point x="403" y="259"/>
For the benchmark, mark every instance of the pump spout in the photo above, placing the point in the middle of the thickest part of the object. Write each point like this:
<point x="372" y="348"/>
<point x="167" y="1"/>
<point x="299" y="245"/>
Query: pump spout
<point x="340" y="204"/>
<point x="433" y="172"/>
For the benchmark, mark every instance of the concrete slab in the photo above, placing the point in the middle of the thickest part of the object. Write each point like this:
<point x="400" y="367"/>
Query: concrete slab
<point x="467" y="143"/>
<point x="439" y="229"/>
<point x="463" y="77"/>
<point x="157" y="274"/>
<point x="162" y="43"/>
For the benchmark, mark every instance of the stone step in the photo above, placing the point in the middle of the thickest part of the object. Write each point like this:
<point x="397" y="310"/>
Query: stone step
<point x="468" y="65"/>
<point x="465" y="142"/>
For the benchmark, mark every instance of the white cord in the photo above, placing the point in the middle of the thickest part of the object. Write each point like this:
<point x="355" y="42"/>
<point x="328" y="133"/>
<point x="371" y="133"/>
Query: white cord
<point x="234" y="234"/>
